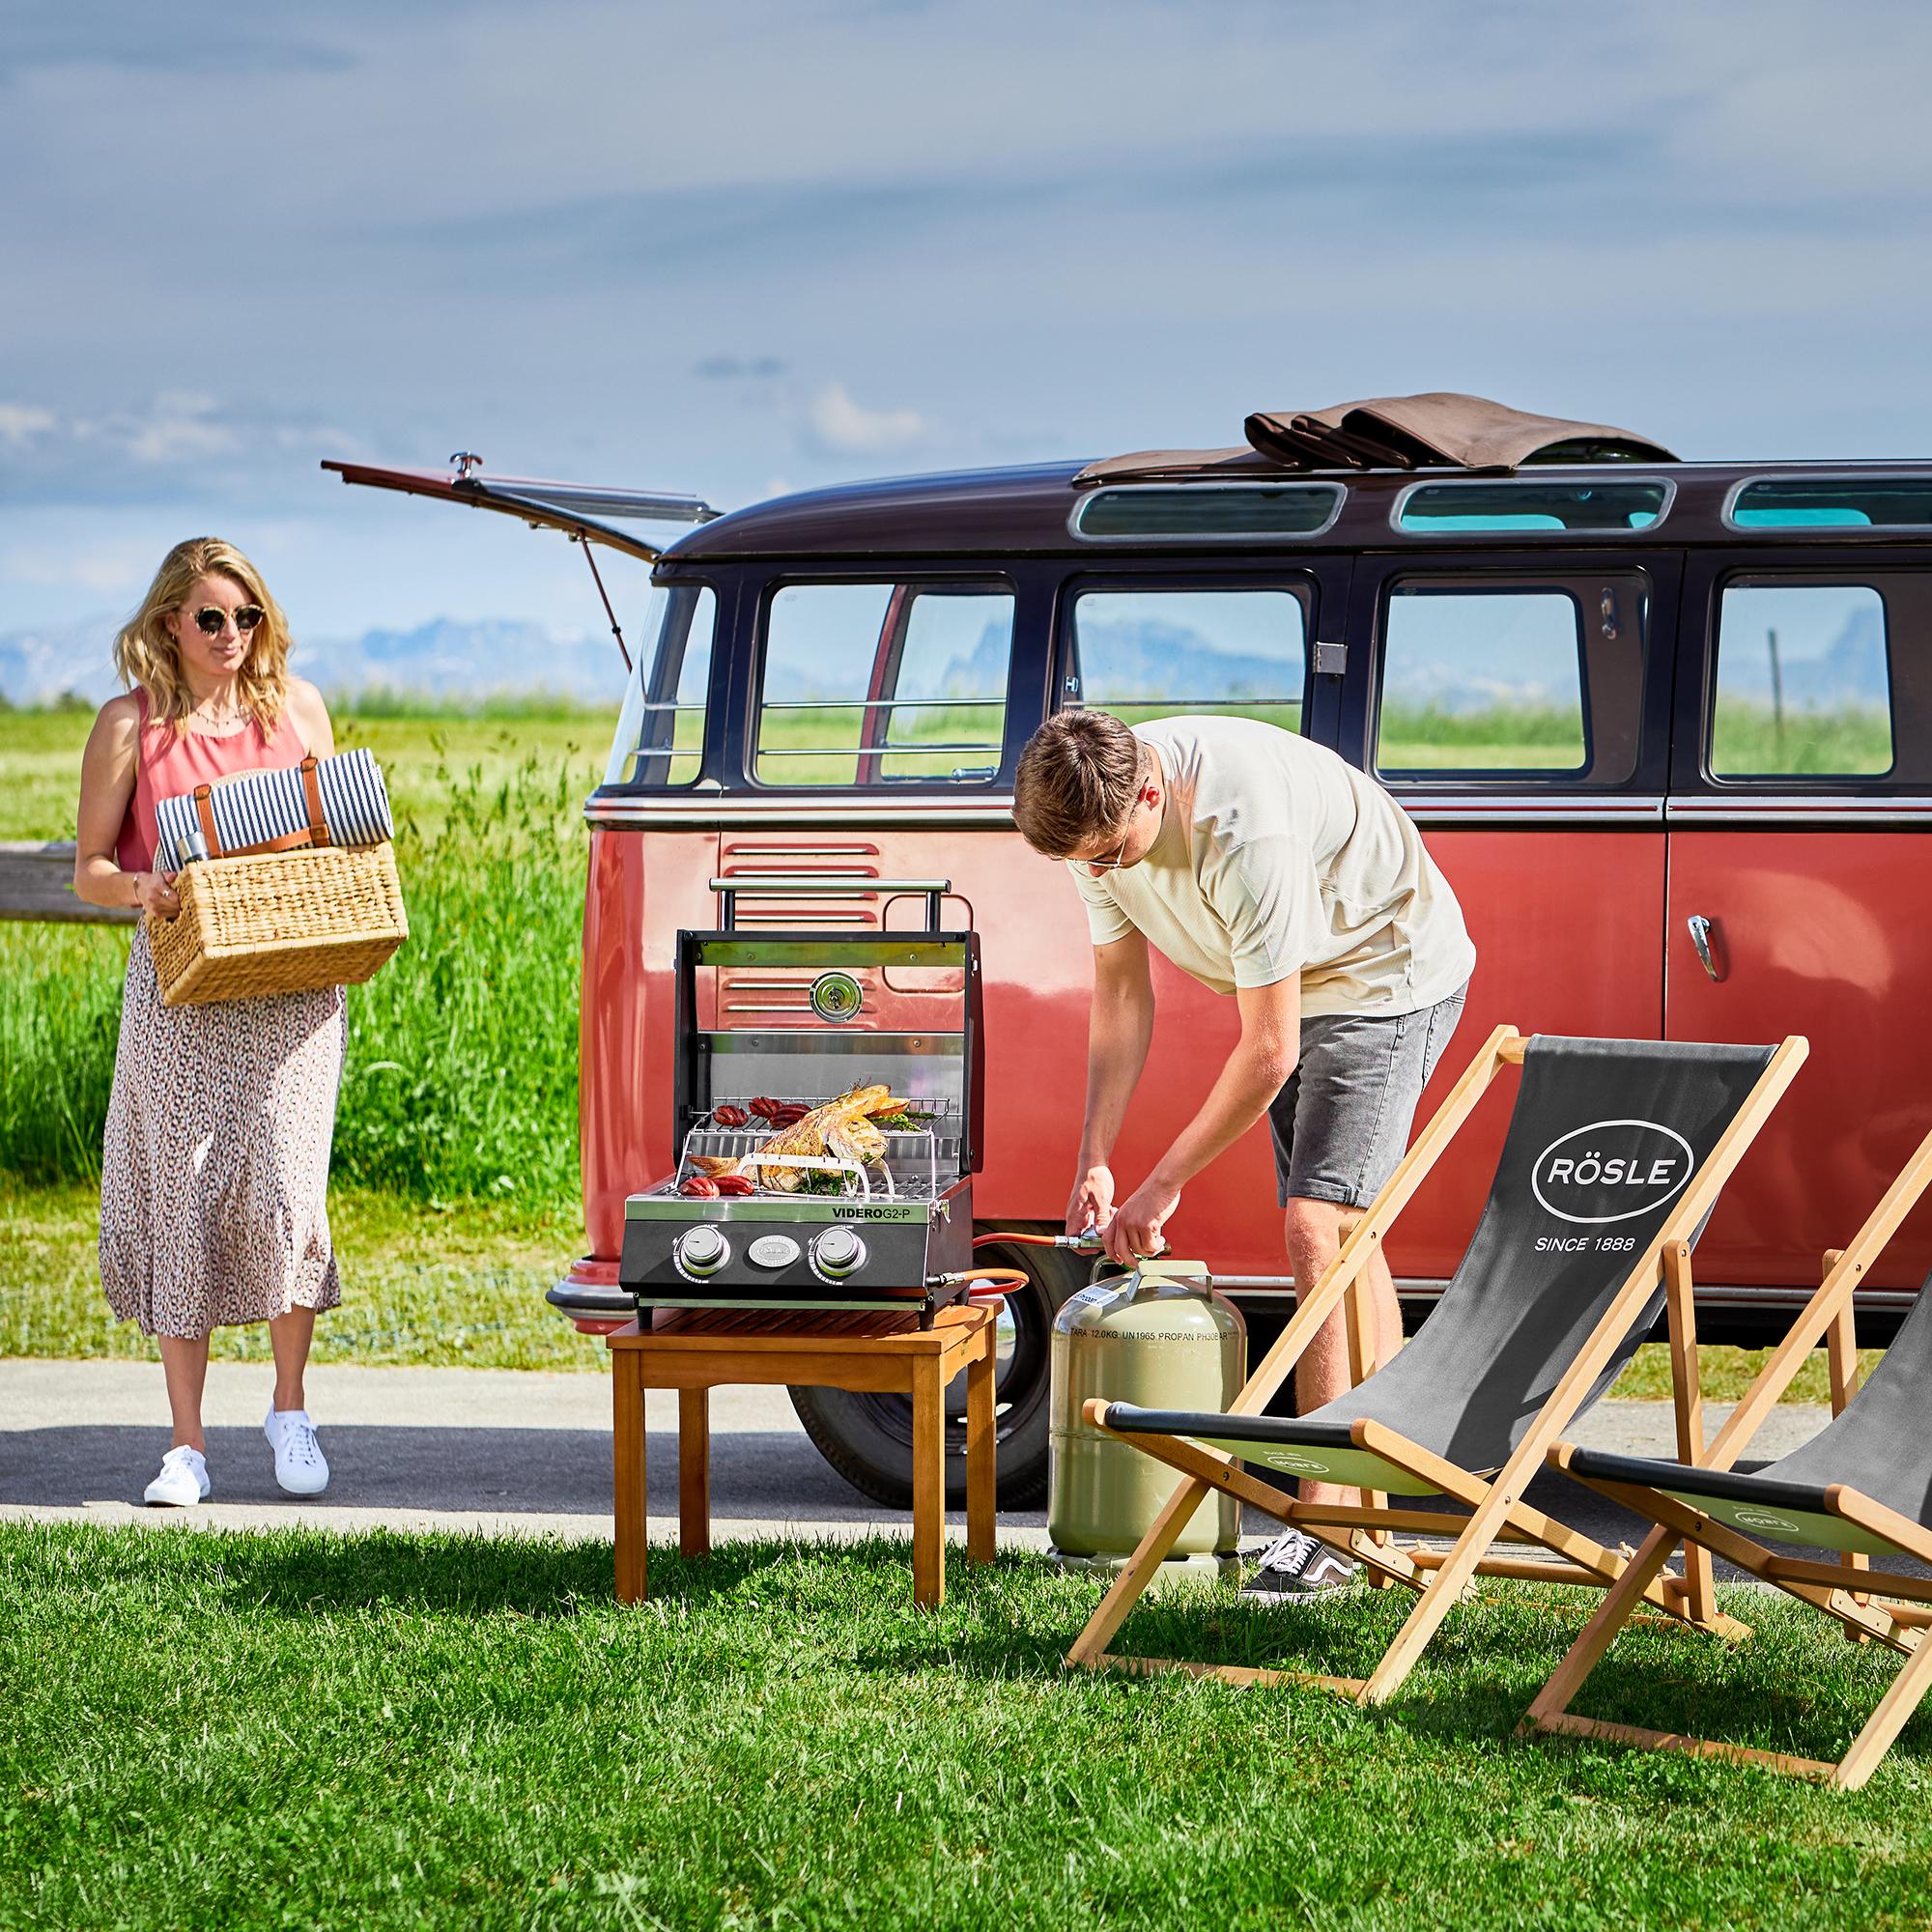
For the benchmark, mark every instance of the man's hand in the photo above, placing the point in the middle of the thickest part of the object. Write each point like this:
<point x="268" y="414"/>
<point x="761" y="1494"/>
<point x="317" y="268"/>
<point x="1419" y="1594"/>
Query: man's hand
<point x="1135" y="1233"/>
<point x="1091" y="1202"/>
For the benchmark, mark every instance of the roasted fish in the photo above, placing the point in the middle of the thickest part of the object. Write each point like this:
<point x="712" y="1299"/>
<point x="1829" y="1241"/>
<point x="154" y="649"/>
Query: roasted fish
<point x="841" y="1129"/>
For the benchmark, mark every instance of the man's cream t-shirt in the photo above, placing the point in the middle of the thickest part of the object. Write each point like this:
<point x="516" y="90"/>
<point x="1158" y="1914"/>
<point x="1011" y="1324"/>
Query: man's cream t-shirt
<point x="1277" y="858"/>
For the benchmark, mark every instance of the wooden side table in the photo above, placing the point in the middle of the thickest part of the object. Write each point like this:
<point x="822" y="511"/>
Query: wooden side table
<point x="694" y="1351"/>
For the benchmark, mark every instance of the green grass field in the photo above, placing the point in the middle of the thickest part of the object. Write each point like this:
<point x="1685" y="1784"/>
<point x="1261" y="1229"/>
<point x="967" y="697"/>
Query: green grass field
<point x="300" y="1729"/>
<point x="460" y="1077"/>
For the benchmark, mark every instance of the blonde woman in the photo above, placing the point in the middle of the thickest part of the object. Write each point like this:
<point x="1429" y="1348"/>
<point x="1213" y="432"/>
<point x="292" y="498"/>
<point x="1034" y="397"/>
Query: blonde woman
<point x="214" y="1165"/>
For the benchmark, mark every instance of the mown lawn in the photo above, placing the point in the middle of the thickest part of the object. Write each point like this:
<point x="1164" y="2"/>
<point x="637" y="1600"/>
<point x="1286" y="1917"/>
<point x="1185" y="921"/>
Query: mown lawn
<point x="300" y="1729"/>
<point x="425" y="1285"/>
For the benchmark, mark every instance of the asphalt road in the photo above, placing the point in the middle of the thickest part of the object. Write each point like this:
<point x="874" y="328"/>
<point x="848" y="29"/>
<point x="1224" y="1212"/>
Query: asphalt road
<point x="505" y="1452"/>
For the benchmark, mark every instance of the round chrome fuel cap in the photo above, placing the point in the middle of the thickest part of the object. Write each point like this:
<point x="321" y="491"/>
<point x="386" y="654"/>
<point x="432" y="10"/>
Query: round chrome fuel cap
<point x="702" y="1250"/>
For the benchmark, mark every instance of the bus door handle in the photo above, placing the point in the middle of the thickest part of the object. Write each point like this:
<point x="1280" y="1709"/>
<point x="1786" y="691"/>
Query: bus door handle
<point x="1700" y="937"/>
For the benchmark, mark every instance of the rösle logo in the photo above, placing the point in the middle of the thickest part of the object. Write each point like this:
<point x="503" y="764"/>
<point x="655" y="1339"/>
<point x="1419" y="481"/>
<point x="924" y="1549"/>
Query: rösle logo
<point x="1611" y="1170"/>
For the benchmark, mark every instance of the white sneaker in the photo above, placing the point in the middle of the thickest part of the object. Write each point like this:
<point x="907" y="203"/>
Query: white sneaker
<point x="300" y="1468"/>
<point x="184" y="1479"/>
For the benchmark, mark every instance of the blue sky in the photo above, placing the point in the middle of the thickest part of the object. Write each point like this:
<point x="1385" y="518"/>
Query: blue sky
<point x="741" y="247"/>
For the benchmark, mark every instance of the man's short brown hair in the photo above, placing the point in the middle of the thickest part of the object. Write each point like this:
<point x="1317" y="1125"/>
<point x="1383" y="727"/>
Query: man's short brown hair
<point x="1076" y="783"/>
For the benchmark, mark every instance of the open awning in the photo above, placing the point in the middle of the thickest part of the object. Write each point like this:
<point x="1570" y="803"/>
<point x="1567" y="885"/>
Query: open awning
<point x="581" y="510"/>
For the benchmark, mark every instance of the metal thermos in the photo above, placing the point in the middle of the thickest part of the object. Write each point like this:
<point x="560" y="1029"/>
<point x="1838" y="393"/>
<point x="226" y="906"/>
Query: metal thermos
<point x="1159" y="1338"/>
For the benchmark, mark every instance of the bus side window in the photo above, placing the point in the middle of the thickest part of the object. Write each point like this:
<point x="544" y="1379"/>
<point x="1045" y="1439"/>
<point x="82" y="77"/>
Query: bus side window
<point x="879" y="683"/>
<point x="1804" y="681"/>
<point x="660" y="737"/>
<point x="1149" y="653"/>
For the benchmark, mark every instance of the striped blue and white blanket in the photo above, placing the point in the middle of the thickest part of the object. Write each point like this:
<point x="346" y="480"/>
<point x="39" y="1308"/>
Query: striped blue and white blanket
<point x="270" y="805"/>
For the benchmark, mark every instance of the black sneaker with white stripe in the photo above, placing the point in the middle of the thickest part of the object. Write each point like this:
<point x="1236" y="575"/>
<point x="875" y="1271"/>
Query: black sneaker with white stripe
<point x="1296" y="1565"/>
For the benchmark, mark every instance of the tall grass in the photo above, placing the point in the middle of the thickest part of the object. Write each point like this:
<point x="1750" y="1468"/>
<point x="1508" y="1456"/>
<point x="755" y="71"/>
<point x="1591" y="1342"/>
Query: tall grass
<point x="60" y="1013"/>
<point x="461" y="1070"/>
<point x="461" y="1076"/>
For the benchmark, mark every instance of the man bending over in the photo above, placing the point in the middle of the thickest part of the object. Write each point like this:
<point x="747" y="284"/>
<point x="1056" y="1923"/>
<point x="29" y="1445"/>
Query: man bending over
<point x="1264" y="867"/>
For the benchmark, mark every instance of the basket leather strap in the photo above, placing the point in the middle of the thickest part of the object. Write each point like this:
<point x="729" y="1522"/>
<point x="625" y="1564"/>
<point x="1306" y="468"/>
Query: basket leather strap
<point x="318" y="825"/>
<point x="204" y="809"/>
<point x="314" y="833"/>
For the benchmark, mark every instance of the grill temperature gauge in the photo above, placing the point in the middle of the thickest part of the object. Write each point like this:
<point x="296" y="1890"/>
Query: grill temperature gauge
<point x="702" y="1250"/>
<point x="839" y="1252"/>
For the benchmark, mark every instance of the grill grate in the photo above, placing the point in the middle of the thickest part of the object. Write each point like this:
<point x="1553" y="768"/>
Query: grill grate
<point x="919" y="1163"/>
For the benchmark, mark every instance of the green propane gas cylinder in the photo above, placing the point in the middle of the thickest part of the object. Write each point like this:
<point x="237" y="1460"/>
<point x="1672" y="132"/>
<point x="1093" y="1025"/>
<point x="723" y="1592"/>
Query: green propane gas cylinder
<point x="1160" y="1338"/>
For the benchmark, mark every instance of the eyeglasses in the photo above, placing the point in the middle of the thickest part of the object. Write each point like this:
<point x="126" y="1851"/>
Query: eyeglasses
<point x="211" y="620"/>
<point x="1098" y="866"/>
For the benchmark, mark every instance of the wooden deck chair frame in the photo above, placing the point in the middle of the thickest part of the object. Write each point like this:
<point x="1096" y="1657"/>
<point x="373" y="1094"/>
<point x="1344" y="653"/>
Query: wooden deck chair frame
<point x="1827" y="1587"/>
<point x="1497" y="1512"/>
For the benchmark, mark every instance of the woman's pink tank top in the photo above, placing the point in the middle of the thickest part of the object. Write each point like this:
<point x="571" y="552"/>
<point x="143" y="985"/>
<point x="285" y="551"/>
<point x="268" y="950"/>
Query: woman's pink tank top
<point x="170" y="763"/>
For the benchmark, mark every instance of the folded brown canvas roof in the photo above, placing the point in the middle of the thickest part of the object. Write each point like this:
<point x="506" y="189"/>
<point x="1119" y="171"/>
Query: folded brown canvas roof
<point x="1178" y="466"/>
<point x="1439" y="428"/>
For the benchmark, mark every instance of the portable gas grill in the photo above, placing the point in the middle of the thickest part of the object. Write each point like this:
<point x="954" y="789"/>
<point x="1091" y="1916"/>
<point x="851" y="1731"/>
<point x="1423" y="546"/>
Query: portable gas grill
<point x="822" y="1014"/>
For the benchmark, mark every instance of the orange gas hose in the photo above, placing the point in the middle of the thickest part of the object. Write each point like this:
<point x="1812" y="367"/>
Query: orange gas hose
<point x="996" y="1240"/>
<point x="995" y="1284"/>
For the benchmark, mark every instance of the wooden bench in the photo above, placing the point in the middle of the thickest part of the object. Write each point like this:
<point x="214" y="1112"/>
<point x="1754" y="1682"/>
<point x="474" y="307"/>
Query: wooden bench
<point x="37" y="883"/>
<point x="880" y="1352"/>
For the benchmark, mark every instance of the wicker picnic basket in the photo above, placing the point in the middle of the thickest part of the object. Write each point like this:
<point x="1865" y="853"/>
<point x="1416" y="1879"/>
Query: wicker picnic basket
<point x="289" y="920"/>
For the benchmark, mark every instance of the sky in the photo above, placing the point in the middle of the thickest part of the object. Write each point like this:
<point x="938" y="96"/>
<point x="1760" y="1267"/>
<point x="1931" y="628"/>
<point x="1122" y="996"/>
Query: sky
<point x="740" y="246"/>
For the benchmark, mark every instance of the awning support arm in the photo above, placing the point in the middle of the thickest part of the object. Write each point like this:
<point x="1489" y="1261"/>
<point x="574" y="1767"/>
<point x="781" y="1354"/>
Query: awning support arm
<point x="597" y="577"/>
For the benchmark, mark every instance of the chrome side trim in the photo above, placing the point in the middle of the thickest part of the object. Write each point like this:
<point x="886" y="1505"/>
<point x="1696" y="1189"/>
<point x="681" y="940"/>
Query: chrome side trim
<point x="718" y="813"/>
<point x="1846" y="815"/>
<point x="1630" y="813"/>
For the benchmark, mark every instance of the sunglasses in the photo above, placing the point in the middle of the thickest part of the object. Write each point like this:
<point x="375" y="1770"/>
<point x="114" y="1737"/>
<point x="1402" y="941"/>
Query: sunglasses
<point x="211" y="620"/>
<point x="1096" y="866"/>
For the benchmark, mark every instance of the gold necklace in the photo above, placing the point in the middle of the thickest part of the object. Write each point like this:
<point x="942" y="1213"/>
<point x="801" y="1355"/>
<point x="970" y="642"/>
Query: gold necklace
<point x="231" y="714"/>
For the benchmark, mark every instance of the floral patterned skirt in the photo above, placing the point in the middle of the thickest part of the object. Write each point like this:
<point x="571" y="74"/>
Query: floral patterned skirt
<point x="214" y="1165"/>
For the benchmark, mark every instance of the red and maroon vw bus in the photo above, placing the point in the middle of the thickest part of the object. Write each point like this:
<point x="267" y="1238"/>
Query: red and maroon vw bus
<point x="1666" y="727"/>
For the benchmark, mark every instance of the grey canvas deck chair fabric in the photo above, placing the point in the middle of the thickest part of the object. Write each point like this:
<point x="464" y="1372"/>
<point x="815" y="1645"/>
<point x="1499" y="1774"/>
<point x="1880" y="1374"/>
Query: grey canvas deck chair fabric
<point x="1863" y="1486"/>
<point x="1614" y="1155"/>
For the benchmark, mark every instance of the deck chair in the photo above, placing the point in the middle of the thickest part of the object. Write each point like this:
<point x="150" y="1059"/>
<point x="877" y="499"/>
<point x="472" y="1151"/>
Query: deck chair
<point x="1863" y="1486"/>
<point x="1560" y="1282"/>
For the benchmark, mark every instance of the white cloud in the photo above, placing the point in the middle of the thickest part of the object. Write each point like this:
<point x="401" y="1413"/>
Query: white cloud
<point x="839" y="423"/>
<point x="182" y="425"/>
<point x="21" y="422"/>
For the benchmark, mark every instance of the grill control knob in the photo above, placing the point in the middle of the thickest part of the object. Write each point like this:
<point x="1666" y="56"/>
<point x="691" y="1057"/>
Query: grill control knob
<point x="838" y="1253"/>
<point x="702" y="1250"/>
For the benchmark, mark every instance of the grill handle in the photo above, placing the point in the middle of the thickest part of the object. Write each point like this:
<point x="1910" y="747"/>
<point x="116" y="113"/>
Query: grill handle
<point x="816" y="884"/>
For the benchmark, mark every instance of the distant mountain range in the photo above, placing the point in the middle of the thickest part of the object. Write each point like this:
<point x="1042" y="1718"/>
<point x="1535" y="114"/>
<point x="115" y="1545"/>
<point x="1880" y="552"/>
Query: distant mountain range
<point x="445" y="658"/>
<point x="1123" y="661"/>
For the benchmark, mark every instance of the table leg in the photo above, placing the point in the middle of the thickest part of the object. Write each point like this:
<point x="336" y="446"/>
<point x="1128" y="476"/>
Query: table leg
<point x="627" y="1438"/>
<point x="929" y="1483"/>
<point x="694" y="1472"/>
<point x="981" y="1450"/>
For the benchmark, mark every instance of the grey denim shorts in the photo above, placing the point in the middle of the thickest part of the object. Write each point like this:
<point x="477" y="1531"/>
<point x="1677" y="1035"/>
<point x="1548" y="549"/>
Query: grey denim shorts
<point x="1341" y="1123"/>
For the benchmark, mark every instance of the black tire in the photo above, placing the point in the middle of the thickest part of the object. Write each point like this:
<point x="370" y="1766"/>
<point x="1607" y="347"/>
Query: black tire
<point x="868" y="1438"/>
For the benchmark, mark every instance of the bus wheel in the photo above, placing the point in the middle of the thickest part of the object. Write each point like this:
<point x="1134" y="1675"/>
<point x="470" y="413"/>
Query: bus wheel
<point x="868" y="1438"/>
